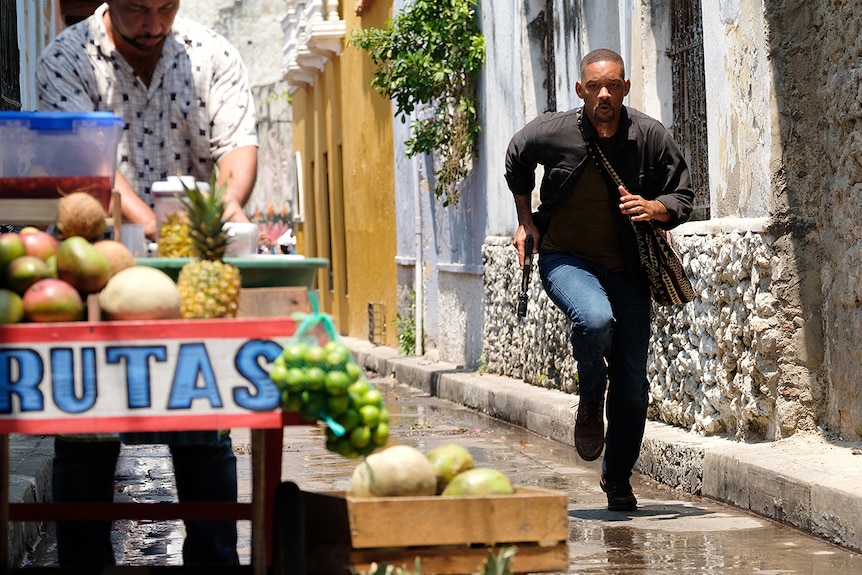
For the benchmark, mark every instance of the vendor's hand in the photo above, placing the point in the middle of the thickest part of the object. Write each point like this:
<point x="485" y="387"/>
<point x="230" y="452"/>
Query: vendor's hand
<point x="521" y="234"/>
<point x="639" y="209"/>
<point x="150" y="229"/>
<point x="135" y="210"/>
<point x="233" y="212"/>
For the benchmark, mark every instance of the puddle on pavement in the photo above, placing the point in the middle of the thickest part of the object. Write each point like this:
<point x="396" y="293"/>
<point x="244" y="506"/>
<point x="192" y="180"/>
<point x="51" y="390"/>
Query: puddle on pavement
<point x="619" y="550"/>
<point x="149" y="543"/>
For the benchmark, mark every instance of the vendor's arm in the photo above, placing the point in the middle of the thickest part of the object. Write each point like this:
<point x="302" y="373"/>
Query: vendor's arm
<point x="135" y="210"/>
<point x="238" y="168"/>
<point x="234" y="130"/>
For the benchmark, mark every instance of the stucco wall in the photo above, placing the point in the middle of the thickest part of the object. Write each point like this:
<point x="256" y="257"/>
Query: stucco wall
<point x="742" y="119"/>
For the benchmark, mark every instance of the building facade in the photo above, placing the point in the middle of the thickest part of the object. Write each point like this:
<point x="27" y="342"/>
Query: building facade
<point x="768" y="349"/>
<point x="343" y="147"/>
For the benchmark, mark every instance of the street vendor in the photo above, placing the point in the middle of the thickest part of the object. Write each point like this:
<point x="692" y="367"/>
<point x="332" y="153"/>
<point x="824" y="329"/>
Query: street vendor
<point x="183" y="92"/>
<point x="181" y="88"/>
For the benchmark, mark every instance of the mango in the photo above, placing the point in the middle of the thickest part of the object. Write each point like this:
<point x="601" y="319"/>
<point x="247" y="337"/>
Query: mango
<point x="11" y="307"/>
<point x="52" y="300"/>
<point x="24" y="271"/>
<point x="82" y="265"/>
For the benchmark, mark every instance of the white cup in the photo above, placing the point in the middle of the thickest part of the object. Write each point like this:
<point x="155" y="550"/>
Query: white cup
<point x="242" y="239"/>
<point x="132" y="236"/>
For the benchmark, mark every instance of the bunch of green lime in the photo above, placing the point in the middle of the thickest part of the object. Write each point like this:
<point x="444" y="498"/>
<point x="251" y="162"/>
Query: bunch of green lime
<point x="325" y="383"/>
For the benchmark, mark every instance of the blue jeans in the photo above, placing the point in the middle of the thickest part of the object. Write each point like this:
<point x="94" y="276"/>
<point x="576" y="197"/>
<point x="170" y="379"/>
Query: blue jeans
<point x="84" y="471"/>
<point x="610" y="331"/>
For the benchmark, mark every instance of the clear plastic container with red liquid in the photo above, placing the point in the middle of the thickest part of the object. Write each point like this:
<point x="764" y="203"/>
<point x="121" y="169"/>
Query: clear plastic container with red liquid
<point x="45" y="155"/>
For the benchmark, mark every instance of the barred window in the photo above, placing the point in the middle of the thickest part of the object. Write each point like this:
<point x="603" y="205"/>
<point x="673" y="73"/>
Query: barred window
<point x="10" y="88"/>
<point x="689" y="97"/>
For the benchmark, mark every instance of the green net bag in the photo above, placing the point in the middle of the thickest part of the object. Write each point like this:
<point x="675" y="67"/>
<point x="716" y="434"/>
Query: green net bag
<point x="320" y="379"/>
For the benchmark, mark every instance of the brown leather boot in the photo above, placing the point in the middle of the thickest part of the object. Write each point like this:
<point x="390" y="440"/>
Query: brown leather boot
<point x="620" y="494"/>
<point x="590" y="429"/>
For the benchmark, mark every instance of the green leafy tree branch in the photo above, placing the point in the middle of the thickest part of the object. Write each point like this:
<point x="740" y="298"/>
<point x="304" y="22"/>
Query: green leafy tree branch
<point x="428" y="55"/>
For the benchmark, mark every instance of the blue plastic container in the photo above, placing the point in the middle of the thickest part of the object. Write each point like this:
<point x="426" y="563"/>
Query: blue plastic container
<point x="47" y="154"/>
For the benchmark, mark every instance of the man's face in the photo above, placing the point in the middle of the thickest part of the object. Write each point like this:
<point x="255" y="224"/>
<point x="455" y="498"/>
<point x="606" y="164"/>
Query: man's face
<point x="142" y="24"/>
<point x="602" y="88"/>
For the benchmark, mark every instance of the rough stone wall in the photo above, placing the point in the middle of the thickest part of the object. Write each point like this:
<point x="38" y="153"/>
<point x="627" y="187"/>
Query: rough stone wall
<point x="535" y="348"/>
<point x="716" y="366"/>
<point x="838" y="143"/>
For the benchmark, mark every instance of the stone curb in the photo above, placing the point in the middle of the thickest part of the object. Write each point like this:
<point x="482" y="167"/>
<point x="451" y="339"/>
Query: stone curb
<point x="806" y="481"/>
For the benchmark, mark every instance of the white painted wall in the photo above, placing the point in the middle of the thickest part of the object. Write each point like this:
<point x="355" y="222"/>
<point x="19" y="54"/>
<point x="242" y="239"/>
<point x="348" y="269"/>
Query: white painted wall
<point x="741" y="116"/>
<point x="254" y="27"/>
<point x="36" y="28"/>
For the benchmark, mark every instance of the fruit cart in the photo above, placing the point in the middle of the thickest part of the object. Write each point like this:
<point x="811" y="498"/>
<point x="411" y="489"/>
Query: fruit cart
<point x="155" y="375"/>
<point x="165" y="375"/>
<point x="146" y="376"/>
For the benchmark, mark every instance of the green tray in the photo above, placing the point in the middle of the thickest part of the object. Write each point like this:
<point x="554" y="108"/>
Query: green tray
<point x="257" y="271"/>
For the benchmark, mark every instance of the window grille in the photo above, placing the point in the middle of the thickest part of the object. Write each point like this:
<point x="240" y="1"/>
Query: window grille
<point x="689" y="97"/>
<point x="10" y="70"/>
<point x="376" y="323"/>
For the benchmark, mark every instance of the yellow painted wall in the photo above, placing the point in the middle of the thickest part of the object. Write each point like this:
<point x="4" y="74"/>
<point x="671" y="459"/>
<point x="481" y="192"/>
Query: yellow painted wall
<point x="343" y="130"/>
<point x="369" y="183"/>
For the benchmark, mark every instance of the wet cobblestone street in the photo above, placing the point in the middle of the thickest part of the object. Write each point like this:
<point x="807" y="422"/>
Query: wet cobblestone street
<point x="671" y="533"/>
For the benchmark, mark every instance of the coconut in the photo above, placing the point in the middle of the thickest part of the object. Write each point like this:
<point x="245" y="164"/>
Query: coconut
<point x="80" y="214"/>
<point x="396" y="471"/>
<point x="138" y="293"/>
<point x="118" y="255"/>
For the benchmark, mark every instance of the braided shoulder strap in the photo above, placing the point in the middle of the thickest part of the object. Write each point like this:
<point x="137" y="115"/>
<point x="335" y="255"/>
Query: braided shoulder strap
<point x="659" y="259"/>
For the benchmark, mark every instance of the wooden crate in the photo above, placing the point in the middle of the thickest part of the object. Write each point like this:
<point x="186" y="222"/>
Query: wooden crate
<point x="451" y="535"/>
<point x="272" y="301"/>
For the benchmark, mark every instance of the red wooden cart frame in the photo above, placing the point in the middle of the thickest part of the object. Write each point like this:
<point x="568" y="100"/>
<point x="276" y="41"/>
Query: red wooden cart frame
<point x="97" y="377"/>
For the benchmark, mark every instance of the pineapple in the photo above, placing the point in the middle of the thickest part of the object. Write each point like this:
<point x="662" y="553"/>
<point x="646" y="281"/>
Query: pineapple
<point x="501" y="564"/>
<point x="174" y="240"/>
<point x="209" y="287"/>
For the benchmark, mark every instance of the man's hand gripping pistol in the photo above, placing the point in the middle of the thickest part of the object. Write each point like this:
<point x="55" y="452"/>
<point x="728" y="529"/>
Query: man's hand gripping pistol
<point x="525" y="276"/>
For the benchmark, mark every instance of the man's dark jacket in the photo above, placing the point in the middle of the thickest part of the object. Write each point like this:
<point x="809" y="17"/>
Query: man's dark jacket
<point x="649" y="162"/>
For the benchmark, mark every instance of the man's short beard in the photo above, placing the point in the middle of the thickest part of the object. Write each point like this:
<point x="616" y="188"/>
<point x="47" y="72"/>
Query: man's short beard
<point x="133" y="42"/>
<point x="608" y="119"/>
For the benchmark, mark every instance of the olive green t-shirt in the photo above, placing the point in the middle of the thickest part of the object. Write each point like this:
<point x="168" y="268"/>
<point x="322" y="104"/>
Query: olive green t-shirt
<point x="587" y="224"/>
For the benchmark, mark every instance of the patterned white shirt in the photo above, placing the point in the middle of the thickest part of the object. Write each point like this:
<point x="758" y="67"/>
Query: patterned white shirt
<point x="197" y="107"/>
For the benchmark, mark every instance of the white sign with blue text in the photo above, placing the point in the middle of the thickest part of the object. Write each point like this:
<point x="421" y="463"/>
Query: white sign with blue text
<point x="140" y="376"/>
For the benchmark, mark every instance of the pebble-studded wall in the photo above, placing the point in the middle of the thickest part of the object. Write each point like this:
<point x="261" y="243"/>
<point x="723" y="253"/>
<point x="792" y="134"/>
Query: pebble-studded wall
<point x="714" y="364"/>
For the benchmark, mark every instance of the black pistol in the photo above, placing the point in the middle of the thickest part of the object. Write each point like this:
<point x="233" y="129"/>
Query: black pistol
<point x="525" y="276"/>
